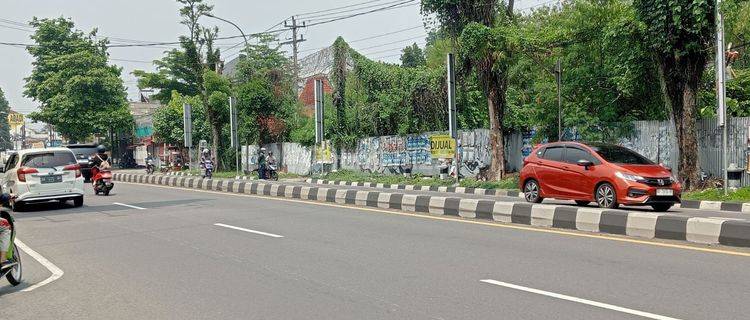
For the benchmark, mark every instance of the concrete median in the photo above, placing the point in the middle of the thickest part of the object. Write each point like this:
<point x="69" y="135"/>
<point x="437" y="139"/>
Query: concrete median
<point x="636" y="224"/>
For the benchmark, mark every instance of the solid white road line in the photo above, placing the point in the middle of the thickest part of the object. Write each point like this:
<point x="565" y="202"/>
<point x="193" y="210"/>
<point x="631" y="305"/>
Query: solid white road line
<point x="579" y="300"/>
<point x="56" y="272"/>
<point x="129" y="206"/>
<point x="248" y="230"/>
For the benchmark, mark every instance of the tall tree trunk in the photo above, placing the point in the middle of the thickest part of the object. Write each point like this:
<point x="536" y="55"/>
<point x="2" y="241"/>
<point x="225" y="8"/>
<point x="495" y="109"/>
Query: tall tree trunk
<point x="496" y="104"/>
<point x="680" y="79"/>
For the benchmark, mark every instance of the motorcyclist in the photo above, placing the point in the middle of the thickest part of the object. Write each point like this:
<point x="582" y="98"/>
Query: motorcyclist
<point x="5" y="230"/>
<point x="206" y="159"/>
<point x="262" y="163"/>
<point x="100" y="161"/>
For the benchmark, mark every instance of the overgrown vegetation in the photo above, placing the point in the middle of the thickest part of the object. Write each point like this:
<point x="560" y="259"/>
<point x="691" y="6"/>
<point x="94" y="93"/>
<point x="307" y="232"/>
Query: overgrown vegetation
<point x="714" y="194"/>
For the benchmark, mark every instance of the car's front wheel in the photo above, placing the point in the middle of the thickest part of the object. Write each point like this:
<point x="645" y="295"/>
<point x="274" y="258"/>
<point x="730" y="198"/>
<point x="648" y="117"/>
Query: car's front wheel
<point x="532" y="191"/>
<point x="606" y="197"/>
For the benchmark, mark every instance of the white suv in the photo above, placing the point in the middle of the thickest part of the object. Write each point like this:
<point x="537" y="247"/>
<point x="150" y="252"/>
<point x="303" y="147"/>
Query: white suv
<point x="40" y="175"/>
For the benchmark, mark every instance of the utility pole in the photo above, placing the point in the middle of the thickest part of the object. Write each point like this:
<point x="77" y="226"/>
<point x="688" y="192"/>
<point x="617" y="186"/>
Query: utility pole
<point x="558" y="77"/>
<point x="294" y="41"/>
<point x="721" y="90"/>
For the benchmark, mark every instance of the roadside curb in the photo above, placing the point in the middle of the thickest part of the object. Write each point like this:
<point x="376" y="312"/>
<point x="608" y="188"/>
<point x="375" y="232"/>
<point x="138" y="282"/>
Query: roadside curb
<point x="716" y="205"/>
<point x="730" y="232"/>
<point x="464" y="190"/>
<point x="186" y="174"/>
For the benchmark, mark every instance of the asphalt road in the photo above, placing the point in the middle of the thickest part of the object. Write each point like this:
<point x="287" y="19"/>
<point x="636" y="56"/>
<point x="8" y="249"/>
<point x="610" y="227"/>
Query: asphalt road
<point x="301" y="260"/>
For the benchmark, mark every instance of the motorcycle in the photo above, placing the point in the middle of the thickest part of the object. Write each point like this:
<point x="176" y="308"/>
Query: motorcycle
<point x="208" y="169"/>
<point x="103" y="182"/>
<point x="271" y="173"/>
<point x="164" y="167"/>
<point x="12" y="271"/>
<point x="150" y="166"/>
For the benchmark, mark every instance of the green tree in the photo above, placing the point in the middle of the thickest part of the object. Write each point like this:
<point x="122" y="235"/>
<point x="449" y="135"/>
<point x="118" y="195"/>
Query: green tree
<point x="5" y="142"/>
<point x="265" y="93"/>
<point x="484" y="29"/>
<point x="183" y="70"/>
<point x="168" y="121"/>
<point x="679" y="33"/>
<point x="413" y="56"/>
<point x="79" y="93"/>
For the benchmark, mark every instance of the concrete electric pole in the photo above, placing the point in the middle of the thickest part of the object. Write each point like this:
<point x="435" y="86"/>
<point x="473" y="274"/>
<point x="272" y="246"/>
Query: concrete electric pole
<point x="294" y="41"/>
<point x="721" y="90"/>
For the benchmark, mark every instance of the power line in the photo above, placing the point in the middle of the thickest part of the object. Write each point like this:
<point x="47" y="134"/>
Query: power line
<point x="337" y="8"/>
<point x="397" y="41"/>
<point x="387" y="50"/>
<point x="328" y="15"/>
<point x="370" y="37"/>
<point x="393" y="6"/>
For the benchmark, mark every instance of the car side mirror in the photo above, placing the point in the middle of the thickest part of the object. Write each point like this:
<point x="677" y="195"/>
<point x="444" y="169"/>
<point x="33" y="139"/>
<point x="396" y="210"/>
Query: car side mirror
<point x="585" y="163"/>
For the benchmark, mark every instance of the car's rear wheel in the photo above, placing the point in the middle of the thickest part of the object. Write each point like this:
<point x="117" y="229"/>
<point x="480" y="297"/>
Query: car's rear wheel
<point x="17" y="206"/>
<point x="532" y="191"/>
<point x="661" y="207"/>
<point x="582" y="202"/>
<point x="78" y="201"/>
<point x="606" y="197"/>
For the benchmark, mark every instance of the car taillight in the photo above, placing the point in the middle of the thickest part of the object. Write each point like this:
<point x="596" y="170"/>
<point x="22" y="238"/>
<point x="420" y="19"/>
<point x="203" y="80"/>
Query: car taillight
<point x="74" y="167"/>
<point x="23" y="171"/>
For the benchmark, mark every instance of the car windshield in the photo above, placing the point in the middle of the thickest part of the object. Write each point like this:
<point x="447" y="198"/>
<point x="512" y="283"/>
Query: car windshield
<point x="48" y="160"/>
<point x="620" y="155"/>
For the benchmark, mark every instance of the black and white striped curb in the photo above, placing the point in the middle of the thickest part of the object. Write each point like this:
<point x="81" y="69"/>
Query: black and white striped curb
<point x="465" y="190"/>
<point x="685" y="204"/>
<point x="716" y="205"/>
<point x="187" y="174"/>
<point x="731" y="232"/>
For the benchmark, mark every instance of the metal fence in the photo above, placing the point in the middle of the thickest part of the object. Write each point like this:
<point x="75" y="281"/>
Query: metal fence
<point x="657" y="140"/>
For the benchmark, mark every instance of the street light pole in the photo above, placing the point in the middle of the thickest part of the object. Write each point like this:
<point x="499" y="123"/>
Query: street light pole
<point x="229" y="22"/>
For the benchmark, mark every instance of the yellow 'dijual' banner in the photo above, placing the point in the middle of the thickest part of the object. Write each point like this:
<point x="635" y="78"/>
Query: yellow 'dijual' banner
<point x="442" y="146"/>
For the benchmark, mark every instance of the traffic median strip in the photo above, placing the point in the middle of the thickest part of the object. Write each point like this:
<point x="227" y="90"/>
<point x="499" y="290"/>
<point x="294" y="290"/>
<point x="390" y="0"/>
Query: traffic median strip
<point x="730" y="232"/>
<point x="464" y="190"/>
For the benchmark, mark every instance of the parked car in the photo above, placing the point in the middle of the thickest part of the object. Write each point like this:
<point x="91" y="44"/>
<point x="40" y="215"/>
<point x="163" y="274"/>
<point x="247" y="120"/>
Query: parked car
<point x="41" y="175"/>
<point x="83" y="152"/>
<point x="606" y="174"/>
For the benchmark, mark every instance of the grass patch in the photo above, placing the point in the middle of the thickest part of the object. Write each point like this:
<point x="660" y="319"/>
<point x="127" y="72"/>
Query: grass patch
<point x="741" y="195"/>
<point x="418" y="180"/>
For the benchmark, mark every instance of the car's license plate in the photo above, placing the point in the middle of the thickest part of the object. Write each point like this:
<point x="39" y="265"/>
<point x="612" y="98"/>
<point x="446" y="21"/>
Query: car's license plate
<point x="664" y="192"/>
<point x="50" y="179"/>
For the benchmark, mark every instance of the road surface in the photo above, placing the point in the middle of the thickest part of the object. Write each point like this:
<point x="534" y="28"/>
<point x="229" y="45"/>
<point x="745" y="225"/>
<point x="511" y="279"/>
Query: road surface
<point x="150" y="252"/>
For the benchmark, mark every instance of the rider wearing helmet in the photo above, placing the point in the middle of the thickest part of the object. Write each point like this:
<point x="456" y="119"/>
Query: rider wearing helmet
<point x="206" y="160"/>
<point x="100" y="161"/>
<point x="262" y="163"/>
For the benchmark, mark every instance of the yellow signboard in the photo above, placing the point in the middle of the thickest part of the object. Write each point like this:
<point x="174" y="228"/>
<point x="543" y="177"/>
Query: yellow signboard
<point x="442" y="146"/>
<point x="323" y="154"/>
<point x="15" y="119"/>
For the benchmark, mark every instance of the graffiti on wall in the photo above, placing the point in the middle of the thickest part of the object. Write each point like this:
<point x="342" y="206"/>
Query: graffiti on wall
<point x="405" y="151"/>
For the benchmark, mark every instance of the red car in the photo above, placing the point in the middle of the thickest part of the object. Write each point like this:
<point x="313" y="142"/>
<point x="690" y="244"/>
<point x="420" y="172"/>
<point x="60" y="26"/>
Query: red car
<point x="607" y="174"/>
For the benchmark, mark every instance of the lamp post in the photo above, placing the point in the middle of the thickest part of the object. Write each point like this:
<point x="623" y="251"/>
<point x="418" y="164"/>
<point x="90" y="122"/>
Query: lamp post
<point x="229" y="22"/>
